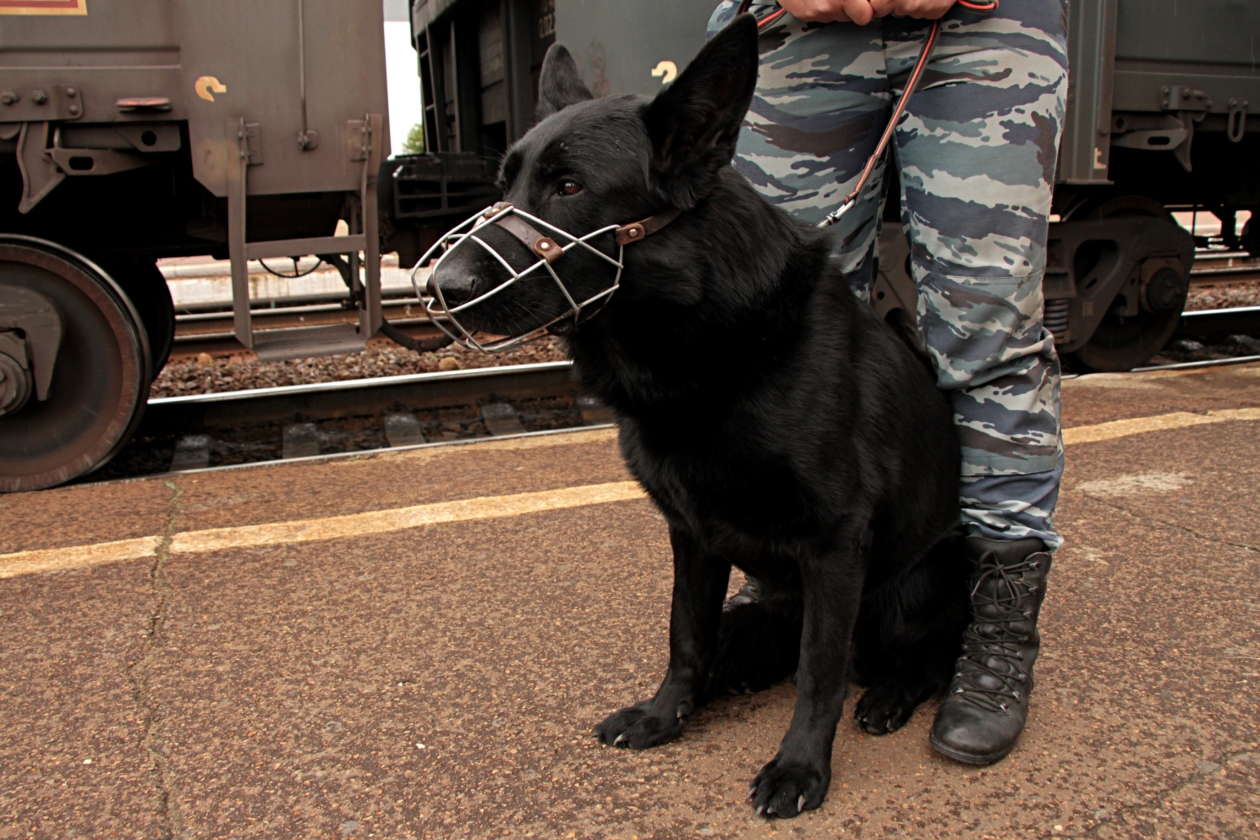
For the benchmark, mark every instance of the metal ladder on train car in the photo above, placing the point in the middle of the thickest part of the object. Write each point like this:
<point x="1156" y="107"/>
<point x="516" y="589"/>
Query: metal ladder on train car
<point x="363" y="237"/>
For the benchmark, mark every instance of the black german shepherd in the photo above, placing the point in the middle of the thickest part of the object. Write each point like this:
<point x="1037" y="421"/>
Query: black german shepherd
<point x="776" y="422"/>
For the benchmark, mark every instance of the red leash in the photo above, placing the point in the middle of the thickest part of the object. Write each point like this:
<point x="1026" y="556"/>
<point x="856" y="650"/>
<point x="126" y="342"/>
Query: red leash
<point x="851" y="199"/>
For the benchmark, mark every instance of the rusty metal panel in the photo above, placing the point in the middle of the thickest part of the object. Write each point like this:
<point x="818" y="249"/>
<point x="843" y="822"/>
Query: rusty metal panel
<point x="117" y="50"/>
<point x="1207" y="49"/>
<point x="1210" y="32"/>
<point x="252" y="50"/>
<point x="43" y="7"/>
<point x="619" y="45"/>
<point x="210" y="62"/>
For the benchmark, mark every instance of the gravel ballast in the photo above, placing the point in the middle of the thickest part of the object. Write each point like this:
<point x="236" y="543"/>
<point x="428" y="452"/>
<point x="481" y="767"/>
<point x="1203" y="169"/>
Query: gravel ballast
<point x="210" y="375"/>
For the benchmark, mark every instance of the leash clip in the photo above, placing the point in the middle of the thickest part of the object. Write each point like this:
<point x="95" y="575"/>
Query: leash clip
<point x="834" y="215"/>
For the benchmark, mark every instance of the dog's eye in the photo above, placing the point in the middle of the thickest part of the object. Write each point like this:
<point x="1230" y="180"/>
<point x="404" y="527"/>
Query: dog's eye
<point x="569" y="188"/>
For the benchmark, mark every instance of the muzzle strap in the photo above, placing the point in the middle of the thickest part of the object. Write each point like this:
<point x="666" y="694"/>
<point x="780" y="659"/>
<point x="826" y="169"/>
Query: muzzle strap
<point x="547" y="248"/>
<point x="541" y="244"/>
<point x="635" y="231"/>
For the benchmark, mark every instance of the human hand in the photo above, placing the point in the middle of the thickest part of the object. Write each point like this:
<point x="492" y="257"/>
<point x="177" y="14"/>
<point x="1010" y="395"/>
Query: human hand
<point x="824" y="11"/>
<point x="926" y="9"/>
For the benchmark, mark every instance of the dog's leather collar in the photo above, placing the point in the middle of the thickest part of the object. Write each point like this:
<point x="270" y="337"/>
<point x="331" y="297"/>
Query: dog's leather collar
<point x="550" y="250"/>
<point x="635" y="231"/>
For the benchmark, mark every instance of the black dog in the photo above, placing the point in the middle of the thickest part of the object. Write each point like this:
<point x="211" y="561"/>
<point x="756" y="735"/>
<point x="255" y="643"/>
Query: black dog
<point x="779" y="425"/>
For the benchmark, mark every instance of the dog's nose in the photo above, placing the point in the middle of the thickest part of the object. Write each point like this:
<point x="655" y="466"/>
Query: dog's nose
<point x="456" y="287"/>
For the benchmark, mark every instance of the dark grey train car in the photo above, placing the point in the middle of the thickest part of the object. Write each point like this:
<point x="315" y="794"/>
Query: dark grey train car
<point x="137" y="129"/>
<point x="1163" y="115"/>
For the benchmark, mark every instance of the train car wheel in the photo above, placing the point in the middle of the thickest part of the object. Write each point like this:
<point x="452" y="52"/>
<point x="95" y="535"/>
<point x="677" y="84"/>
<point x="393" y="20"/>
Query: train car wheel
<point x="100" y="378"/>
<point x="1123" y="343"/>
<point x="145" y="286"/>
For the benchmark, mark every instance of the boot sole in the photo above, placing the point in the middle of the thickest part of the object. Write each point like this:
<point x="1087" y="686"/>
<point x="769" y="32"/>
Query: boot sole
<point x="970" y="758"/>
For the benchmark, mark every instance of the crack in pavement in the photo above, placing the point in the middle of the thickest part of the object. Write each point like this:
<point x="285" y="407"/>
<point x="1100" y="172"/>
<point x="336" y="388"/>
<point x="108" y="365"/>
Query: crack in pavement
<point x="1186" y="782"/>
<point x="1176" y="526"/>
<point x="1154" y="799"/>
<point x="138" y="675"/>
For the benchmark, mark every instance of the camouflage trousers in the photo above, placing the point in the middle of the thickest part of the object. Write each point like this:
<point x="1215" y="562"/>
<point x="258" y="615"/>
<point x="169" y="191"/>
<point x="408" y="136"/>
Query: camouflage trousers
<point x="975" y="154"/>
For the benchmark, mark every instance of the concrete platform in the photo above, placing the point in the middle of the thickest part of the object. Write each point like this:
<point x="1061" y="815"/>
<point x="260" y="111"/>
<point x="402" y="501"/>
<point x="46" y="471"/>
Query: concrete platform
<point x="417" y="644"/>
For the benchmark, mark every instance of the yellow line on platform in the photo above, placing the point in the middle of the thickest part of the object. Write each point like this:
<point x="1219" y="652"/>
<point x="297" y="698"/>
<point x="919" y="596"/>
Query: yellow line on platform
<point x="1158" y="423"/>
<point x="76" y="557"/>
<point x="466" y="510"/>
<point x="314" y="530"/>
<point x="399" y="519"/>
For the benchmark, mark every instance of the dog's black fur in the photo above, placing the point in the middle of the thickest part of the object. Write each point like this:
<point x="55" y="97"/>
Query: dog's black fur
<point x="779" y="425"/>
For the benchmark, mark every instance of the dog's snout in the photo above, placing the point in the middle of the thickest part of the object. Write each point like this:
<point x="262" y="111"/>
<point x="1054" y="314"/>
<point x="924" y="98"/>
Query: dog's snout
<point x="456" y="287"/>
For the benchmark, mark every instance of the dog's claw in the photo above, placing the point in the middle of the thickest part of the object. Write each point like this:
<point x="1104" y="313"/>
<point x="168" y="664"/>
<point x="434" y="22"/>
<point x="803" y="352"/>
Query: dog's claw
<point x="752" y="791"/>
<point x="800" y="803"/>
<point x="761" y="810"/>
<point x="620" y="739"/>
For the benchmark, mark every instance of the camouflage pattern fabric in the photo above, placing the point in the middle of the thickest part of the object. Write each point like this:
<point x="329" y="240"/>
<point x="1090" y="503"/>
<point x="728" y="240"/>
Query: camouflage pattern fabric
<point x="975" y="153"/>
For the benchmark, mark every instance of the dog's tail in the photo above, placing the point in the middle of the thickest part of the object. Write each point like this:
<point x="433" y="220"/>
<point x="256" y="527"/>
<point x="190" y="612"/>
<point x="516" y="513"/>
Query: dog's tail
<point x="759" y="644"/>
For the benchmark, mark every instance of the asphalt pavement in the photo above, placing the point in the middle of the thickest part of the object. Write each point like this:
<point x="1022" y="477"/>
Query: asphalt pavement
<point x="417" y="644"/>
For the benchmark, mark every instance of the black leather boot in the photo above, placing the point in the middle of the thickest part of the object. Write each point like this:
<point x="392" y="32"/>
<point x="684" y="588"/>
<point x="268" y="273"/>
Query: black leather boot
<point x="987" y="702"/>
<point x="749" y="593"/>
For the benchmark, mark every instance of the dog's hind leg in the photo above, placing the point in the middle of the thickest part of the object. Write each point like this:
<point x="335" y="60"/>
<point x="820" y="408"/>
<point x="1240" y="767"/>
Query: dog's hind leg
<point x="759" y="643"/>
<point x="700" y="581"/>
<point x="909" y="636"/>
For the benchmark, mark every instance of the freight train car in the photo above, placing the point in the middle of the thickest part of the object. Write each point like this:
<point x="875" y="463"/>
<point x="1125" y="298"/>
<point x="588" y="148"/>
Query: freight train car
<point x="1163" y="114"/>
<point x="132" y="130"/>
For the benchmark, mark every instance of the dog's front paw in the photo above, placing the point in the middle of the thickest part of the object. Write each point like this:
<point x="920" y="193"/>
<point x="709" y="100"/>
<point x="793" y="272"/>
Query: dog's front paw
<point x="884" y="708"/>
<point x="638" y="727"/>
<point x="786" y="788"/>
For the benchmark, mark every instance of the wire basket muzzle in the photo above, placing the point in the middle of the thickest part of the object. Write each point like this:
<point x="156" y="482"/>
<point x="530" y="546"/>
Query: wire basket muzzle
<point x="546" y="241"/>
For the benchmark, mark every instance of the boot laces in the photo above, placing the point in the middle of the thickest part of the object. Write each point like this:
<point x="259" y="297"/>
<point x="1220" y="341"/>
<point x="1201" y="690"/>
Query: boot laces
<point x="990" y="672"/>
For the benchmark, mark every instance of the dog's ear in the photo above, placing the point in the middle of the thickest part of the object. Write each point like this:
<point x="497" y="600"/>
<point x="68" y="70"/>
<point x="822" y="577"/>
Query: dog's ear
<point x="559" y="85"/>
<point x="695" y="122"/>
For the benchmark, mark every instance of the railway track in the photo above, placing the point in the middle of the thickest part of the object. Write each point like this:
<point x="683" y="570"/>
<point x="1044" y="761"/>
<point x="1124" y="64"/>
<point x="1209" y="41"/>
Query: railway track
<point x="1209" y="263"/>
<point x="211" y="331"/>
<point x="327" y="419"/>
<point x="1219" y="323"/>
<point x="367" y="415"/>
<point x="344" y="418"/>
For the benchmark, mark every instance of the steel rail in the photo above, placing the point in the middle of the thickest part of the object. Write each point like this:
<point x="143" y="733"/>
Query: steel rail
<point x="209" y="329"/>
<point x="197" y="413"/>
<point x="1242" y="272"/>
<point x="218" y="341"/>
<point x="358" y="453"/>
<point x="207" y="413"/>
<point x="1206" y="323"/>
<point x="1233" y="360"/>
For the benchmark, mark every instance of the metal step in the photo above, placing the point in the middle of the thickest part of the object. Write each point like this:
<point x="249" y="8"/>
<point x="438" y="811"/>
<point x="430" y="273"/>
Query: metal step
<point x="300" y="342"/>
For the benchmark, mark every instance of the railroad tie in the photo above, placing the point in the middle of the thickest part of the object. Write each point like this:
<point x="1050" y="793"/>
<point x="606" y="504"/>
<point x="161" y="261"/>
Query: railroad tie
<point x="501" y="419"/>
<point x="403" y="429"/>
